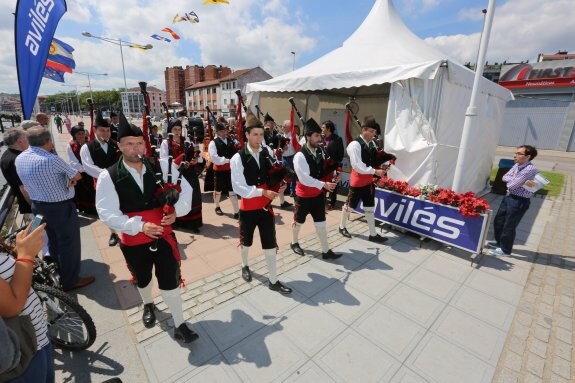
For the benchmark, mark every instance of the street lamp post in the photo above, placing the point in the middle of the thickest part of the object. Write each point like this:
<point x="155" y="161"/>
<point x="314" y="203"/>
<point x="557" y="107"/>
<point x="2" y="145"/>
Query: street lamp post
<point x="121" y="43"/>
<point x="89" y="82"/>
<point x="77" y="96"/>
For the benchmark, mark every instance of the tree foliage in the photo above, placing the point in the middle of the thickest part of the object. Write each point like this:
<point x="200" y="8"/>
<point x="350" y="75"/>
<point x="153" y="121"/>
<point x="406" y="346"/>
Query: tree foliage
<point x="107" y="100"/>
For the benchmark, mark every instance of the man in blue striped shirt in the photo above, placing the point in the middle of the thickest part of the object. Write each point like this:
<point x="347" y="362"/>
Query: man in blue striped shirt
<point x="50" y="182"/>
<point x="516" y="202"/>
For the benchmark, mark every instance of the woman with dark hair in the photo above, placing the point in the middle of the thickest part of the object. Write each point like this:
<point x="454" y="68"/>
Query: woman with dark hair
<point x="190" y="165"/>
<point x="334" y="147"/>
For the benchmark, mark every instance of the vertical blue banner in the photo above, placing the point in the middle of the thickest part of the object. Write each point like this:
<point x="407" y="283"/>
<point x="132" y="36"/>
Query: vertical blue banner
<point x="36" y="22"/>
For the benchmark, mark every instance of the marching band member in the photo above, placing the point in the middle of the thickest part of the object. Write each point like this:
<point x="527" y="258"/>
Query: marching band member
<point x="221" y="151"/>
<point x="250" y="179"/>
<point x="310" y="198"/>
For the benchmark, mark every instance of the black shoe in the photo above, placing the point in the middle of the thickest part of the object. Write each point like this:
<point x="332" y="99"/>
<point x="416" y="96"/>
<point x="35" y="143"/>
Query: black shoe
<point x="343" y="231"/>
<point x="330" y="255"/>
<point x="297" y="249"/>
<point x="149" y="317"/>
<point x="246" y="274"/>
<point x="284" y="290"/>
<point x="185" y="334"/>
<point x="286" y="205"/>
<point x="219" y="211"/>
<point x="195" y="229"/>
<point x="377" y="238"/>
<point x="237" y="216"/>
<point x="114" y="239"/>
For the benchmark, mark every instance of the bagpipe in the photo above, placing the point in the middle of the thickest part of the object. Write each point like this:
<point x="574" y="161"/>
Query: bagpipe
<point x="381" y="157"/>
<point x="151" y="152"/>
<point x="167" y="193"/>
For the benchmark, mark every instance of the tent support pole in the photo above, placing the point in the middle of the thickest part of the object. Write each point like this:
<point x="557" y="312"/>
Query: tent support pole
<point x="470" y="123"/>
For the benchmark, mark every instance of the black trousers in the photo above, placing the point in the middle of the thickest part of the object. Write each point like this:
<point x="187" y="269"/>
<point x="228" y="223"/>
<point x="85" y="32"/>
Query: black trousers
<point x="264" y="221"/>
<point x="365" y="194"/>
<point x="507" y="219"/>
<point x="63" y="229"/>
<point x="314" y="206"/>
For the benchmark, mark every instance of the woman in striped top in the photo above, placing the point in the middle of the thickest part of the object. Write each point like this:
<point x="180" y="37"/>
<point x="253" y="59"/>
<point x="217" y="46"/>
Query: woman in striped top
<point x="18" y="298"/>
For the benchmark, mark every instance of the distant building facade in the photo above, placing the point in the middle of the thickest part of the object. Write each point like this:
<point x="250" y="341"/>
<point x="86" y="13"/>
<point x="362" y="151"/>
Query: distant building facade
<point x="133" y="102"/>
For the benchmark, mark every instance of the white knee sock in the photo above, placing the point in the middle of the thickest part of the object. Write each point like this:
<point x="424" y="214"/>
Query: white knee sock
<point x="146" y="293"/>
<point x="321" y="231"/>
<point x="244" y="251"/>
<point x="369" y="217"/>
<point x="234" y="201"/>
<point x="217" y="197"/>
<point x="271" y="261"/>
<point x="295" y="232"/>
<point x="174" y="302"/>
<point x="344" y="216"/>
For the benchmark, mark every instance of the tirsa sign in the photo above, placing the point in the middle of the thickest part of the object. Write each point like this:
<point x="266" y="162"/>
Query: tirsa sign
<point x="542" y="74"/>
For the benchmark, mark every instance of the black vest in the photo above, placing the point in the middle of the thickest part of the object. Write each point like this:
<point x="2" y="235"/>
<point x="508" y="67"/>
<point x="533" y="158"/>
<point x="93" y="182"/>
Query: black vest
<point x="225" y="150"/>
<point x="368" y="154"/>
<point x="129" y="193"/>
<point x="316" y="169"/>
<point x="102" y="159"/>
<point x="256" y="175"/>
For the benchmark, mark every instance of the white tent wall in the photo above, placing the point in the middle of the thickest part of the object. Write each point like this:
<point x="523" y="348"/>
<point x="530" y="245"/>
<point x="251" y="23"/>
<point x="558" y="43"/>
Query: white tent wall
<point x="424" y="127"/>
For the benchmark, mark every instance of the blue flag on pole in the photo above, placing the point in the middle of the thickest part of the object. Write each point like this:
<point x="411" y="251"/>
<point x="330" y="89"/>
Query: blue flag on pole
<point x="36" y="22"/>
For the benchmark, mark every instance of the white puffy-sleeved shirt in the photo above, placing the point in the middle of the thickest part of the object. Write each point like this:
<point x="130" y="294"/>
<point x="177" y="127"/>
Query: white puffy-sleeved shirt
<point x="354" y="153"/>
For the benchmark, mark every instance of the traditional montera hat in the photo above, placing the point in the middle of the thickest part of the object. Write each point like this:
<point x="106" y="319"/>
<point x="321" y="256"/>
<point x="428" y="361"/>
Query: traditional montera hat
<point x="311" y="126"/>
<point x="100" y="121"/>
<point x="173" y="123"/>
<point x="76" y="129"/>
<point x="267" y="118"/>
<point x="125" y="129"/>
<point x="220" y="126"/>
<point x="252" y="121"/>
<point x="369" y="122"/>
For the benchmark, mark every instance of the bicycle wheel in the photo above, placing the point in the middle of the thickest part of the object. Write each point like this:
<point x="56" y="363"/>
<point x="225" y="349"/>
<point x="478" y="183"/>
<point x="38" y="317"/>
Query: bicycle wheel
<point x="69" y="326"/>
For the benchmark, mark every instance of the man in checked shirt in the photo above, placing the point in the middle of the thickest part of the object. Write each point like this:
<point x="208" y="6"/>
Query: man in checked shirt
<point x="516" y="202"/>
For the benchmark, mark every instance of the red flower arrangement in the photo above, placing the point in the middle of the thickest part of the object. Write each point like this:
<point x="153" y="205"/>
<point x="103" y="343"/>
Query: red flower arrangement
<point x="468" y="203"/>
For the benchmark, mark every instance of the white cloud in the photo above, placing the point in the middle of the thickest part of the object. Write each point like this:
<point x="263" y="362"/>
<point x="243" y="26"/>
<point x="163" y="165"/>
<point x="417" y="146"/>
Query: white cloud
<point x="471" y="14"/>
<point x="521" y="30"/>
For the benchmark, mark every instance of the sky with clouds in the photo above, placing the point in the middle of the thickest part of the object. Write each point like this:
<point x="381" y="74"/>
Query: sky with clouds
<point x="247" y="33"/>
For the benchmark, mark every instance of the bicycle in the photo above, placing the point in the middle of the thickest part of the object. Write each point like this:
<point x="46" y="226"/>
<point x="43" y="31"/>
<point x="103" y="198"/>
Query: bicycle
<point x="70" y="327"/>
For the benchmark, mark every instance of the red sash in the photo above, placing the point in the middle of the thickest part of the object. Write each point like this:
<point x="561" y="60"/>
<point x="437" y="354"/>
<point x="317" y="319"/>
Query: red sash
<point x="358" y="180"/>
<point x="153" y="216"/>
<point x="221" y="168"/>
<point x="255" y="203"/>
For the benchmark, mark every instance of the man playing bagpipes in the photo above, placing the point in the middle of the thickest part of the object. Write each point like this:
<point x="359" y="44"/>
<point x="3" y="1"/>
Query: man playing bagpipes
<point x="365" y="163"/>
<point x="252" y="169"/>
<point x="333" y="146"/>
<point x="85" y="197"/>
<point x="313" y="177"/>
<point x="131" y="200"/>
<point x="99" y="154"/>
<point x="187" y="159"/>
<point x="221" y="150"/>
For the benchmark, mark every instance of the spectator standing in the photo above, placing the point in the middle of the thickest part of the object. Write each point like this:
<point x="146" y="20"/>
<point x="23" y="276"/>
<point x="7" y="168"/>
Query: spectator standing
<point x="58" y="122"/>
<point x="516" y="202"/>
<point x="68" y="124"/>
<point x="17" y="142"/>
<point x="50" y="183"/>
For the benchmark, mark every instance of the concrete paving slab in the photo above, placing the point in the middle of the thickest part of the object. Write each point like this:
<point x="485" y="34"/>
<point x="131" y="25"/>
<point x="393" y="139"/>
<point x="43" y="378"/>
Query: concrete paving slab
<point x="372" y="282"/>
<point x="308" y="279"/>
<point x="477" y="337"/>
<point x="503" y="268"/>
<point x="231" y="322"/>
<point x="342" y="301"/>
<point x="409" y="250"/>
<point x="352" y="358"/>
<point x="270" y="304"/>
<point x="414" y="304"/>
<point x="310" y="373"/>
<point x="484" y="307"/>
<point x="405" y="375"/>
<point x="395" y="267"/>
<point x="390" y="330"/>
<point x="265" y="356"/>
<point x="311" y="328"/>
<point x="214" y="371"/>
<point x="442" y="362"/>
<point x="447" y="267"/>
<point x="432" y="284"/>
<point x="496" y="287"/>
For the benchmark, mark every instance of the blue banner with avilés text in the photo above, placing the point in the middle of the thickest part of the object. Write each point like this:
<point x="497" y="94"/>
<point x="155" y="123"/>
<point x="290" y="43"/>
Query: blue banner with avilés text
<point x="35" y="24"/>
<point x="442" y="223"/>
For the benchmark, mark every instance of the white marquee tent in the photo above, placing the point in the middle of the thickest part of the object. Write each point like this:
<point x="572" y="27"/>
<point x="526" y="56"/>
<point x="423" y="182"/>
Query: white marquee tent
<point x="428" y="94"/>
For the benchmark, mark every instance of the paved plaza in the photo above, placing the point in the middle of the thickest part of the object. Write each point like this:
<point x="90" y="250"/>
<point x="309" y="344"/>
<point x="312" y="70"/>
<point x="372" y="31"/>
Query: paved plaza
<point x="407" y="311"/>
